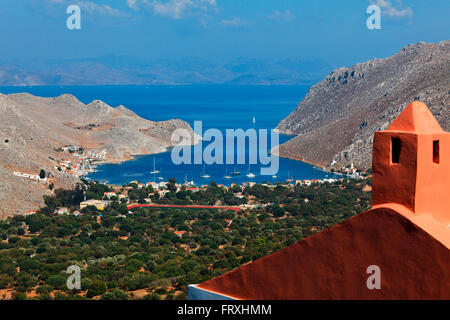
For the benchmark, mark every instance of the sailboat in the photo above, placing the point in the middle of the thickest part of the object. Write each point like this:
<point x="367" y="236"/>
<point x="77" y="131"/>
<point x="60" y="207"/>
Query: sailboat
<point x="250" y="174"/>
<point x="235" y="173"/>
<point x="154" y="167"/>
<point x="254" y="120"/>
<point x="226" y="174"/>
<point x="204" y="175"/>
<point x="289" y="179"/>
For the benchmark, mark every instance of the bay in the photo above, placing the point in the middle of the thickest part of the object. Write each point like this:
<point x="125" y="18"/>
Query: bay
<point x="217" y="106"/>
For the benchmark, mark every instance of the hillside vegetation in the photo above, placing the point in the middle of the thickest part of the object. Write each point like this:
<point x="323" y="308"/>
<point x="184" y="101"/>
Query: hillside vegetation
<point x="138" y="255"/>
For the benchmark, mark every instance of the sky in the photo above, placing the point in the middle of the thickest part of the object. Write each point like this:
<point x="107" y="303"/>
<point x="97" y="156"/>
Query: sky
<point x="219" y="30"/>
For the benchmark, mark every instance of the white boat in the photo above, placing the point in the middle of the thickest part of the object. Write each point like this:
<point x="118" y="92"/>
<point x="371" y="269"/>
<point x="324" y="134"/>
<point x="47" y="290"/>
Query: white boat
<point x="254" y="120"/>
<point x="204" y="175"/>
<point x="289" y="179"/>
<point x="235" y="173"/>
<point x="154" y="167"/>
<point x="250" y="174"/>
<point x="226" y="175"/>
<point x="274" y="176"/>
<point x="160" y="178"/>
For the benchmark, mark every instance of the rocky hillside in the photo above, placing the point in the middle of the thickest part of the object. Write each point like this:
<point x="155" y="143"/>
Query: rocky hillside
<point x="33" y="130"/>
<point x="335" y="122"/>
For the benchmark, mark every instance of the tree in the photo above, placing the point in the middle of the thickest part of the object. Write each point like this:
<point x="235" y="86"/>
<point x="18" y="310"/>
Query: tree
<point x="42" y="174"/>
<point x="230" y="199"/>
<point x="136" y="281"/>
<point x="116" y="294"/>
<point x="36" y="222"/>
<point x="277" y="211"/>
<point x="5" y="280"/>
<point x="134" y="264"/>
<point x="56" y="281"/>
<point x="96" y="288"/>
<point x="29" y="264"/>
<point x="26" y="281"/>
<point x="172" y="185"/>
<point x="51" y="203"/>
<point x="20" y="296"/>
<point x="181" y="195"/>
<point x="153" y="296"/>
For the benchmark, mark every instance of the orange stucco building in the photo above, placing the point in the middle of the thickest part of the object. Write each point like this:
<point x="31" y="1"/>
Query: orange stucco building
<point x="405" y="236"/>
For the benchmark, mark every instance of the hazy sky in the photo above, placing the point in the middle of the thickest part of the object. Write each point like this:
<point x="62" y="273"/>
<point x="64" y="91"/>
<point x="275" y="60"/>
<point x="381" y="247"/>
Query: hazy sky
<point x="219" y="29"/>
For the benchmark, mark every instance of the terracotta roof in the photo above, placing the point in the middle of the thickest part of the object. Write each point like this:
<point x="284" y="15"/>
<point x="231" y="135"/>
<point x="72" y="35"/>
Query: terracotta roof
<point x="332" y="264"/>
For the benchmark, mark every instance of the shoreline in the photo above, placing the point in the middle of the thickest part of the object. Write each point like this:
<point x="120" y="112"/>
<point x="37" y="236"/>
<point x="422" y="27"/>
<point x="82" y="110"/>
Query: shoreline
<point x="131" y="157"/>
<point x="118" y="161"/>
<point x="269" y="178"/>
<point x="315" y="164"/>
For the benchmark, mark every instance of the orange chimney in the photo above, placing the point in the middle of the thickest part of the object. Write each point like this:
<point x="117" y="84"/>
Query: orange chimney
<point x="411" y="164"/>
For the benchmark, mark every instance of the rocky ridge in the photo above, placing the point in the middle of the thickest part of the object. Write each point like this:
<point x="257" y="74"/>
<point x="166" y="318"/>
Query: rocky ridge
<point x="335" y="122"/>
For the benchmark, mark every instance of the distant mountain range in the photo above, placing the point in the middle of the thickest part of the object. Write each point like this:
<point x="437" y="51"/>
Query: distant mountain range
<point x="125" y="70"/>
<point x="334" y="124"/>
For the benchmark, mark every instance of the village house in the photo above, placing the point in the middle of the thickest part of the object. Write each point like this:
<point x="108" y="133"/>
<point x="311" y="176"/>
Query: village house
<point x="180" y="233"/>
<point x="30" y="176"/>
<point x="248" y="184"/>
<point x="62" y="210"/>
<point x="27" y="213"/>
<point x="99" y="204"/>
<point x="109" y="194"/>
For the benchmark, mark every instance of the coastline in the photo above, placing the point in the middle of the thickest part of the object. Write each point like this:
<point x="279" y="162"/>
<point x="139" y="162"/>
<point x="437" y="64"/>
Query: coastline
<point x="301" y="159"/>
<point x="315" y="164"/>
<point x="111" y="179"/>
<point x="119" y="161"/>
<point x="286" y="156"/>
<point x="131" y="157"/>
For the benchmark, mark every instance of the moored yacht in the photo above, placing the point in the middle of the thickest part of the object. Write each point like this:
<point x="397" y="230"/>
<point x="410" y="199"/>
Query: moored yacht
<point x="154" y="167"/>
<point x="204" y="175"/>
<point x="250" y="174"/>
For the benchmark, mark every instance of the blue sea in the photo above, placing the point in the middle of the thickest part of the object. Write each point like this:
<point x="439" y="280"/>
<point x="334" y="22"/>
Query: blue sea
<point x="217" y="106"/>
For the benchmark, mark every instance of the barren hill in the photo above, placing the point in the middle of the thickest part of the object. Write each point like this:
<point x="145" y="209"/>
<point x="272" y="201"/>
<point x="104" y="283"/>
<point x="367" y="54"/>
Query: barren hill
<point x="335" y="122"/>
<point x="33" y="130"/>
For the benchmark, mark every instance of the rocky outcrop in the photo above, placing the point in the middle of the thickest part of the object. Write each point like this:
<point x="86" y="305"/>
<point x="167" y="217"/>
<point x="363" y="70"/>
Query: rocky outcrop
<point x="33" y="129"/>
<point x="334" y="124"/>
